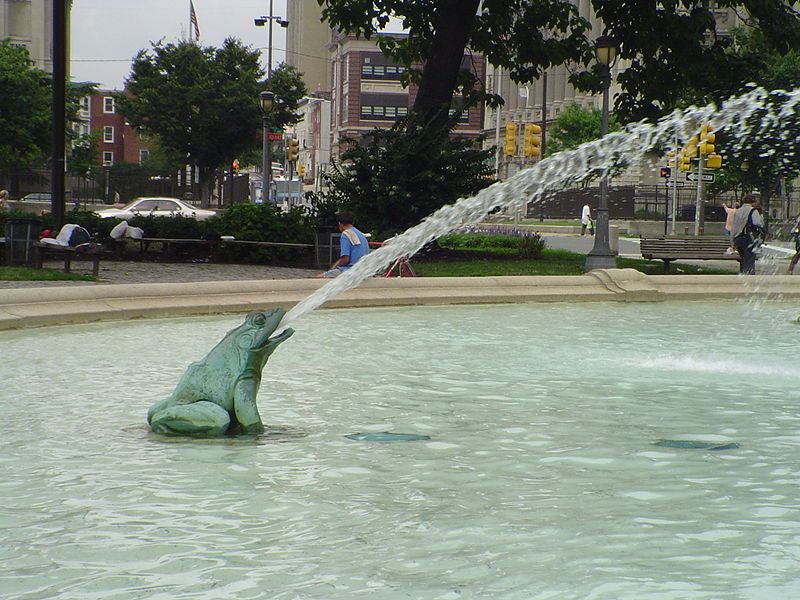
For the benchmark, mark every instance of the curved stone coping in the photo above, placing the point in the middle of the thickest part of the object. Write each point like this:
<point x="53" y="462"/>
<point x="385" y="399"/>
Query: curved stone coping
<point x="36" y="307"/>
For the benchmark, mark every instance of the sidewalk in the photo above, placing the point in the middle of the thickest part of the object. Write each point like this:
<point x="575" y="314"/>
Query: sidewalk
<point x="154" y="272"/>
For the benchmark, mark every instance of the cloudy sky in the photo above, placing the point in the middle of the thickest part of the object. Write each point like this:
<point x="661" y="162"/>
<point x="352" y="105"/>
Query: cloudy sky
<point x="106" y="34"/>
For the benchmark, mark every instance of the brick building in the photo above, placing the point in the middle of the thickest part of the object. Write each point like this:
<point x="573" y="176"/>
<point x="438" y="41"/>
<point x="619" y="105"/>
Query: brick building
<point x="117" y="140"/>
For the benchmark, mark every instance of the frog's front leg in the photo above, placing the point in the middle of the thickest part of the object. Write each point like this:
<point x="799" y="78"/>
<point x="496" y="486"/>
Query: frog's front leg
<point x="201" y="418"/>
<point x="244" y="404"/>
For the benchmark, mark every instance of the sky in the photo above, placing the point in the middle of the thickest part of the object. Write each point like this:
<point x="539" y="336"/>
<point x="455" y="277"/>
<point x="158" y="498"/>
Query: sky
<point x="107" y="34"/>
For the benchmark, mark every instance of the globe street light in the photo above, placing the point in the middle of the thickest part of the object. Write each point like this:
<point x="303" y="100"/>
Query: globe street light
<point x="601" y="256"/>
<point x="262" y="21"/>
<point x="267" y="101"/>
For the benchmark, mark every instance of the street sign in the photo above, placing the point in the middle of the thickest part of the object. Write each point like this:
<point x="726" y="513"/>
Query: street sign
<point x="274" y="137"/>
<point x="707" y="177"/>
<point x="679" y="184"/>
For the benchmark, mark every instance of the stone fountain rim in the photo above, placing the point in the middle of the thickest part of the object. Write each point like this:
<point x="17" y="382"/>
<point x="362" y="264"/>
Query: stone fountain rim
<point x="47" y="306"/>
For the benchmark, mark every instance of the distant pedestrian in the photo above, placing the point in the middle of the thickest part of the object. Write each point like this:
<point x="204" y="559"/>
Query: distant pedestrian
<point x="4" y="200"/>
<point x="796" y="235"/>
<point x="748" y="233"/>
<point x="353" y="245"/>
<point x="730" y="211"/>
<point x="586" y="220"/>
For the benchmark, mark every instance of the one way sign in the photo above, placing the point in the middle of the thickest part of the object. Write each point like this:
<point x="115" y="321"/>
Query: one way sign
<point x="707" y="177"/>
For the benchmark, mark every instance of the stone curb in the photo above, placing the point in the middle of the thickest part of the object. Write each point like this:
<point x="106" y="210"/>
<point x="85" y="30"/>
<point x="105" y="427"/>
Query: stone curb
<point x="37" y="307"/>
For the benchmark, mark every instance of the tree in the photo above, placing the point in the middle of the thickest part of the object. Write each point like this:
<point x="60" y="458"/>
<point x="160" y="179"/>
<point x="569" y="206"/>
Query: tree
<point x="576" y="125"/>
<point x="764" y="164"/>
<point x="202" y="102"/>
<point x="392" y="180"/>
<point x="25" y="107"/>
<point x="289" y="88"/>
<point x="84" y="154"/>
<point x="671" y="45"/>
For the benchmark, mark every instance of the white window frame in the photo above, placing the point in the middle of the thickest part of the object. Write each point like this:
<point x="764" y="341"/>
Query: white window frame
<point x="109" y="100"/>
<point x="108" y="158"/>
<point x="108" y="134"/>
<point x="144" y="154"/>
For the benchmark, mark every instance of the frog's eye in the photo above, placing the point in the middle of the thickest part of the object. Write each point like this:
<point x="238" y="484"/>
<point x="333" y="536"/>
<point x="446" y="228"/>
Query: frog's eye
<point x="259" y="319"/>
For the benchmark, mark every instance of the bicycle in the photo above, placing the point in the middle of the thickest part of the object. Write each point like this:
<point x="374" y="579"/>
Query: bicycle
<point x="400" y="267"/>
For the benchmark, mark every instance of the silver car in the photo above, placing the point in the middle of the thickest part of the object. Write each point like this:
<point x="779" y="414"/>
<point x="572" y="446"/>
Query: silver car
<point x="156" y="207"/>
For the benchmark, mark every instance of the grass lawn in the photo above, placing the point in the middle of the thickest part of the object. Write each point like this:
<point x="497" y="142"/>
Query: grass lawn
<point x="29" y="274"/>
<point x="553" y="262"/>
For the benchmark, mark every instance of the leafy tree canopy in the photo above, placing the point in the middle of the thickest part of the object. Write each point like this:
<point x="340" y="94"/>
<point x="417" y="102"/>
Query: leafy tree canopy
<point x="202" y="102"/>
<point x="670" y="45"/>
<point x="391" y="180"/>
<point x="575" y="126"/>
<point x="286" y="82"/>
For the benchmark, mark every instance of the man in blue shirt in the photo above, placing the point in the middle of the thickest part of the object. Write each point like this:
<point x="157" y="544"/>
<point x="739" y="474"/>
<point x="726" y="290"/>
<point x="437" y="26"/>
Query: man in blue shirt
<point x="354" y="245"/>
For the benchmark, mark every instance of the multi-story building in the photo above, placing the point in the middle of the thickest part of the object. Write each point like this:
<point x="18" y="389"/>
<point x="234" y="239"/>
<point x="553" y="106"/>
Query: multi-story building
<point x="307" y="40"/>
<point x="117" y="140"/>
<point x="313" y="134"/>
<point x="29" y="23"/>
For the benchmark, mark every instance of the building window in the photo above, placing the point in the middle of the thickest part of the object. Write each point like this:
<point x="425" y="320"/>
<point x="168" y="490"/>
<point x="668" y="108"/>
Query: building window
<point x="108" y="134"/>
<point x="108" y="104"/>
<point x="144" y="155"/>
<point x="85" y="104"/>
<point x="383" y="113"/>
<point x="381" y="72"/>
<point x="462" y="118"/>
<point x="108" y="159"/>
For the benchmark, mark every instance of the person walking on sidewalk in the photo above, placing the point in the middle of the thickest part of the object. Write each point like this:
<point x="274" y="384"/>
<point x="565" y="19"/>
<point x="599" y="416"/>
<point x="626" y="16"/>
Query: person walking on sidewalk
<point x="748" y="233"/>
<point x="586" y="220"/>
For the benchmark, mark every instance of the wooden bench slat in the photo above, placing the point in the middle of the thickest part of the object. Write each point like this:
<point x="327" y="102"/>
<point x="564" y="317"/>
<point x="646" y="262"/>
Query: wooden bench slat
<point x="669" y="249"/>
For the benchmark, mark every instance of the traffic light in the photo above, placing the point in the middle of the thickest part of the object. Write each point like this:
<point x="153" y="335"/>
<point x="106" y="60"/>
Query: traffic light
<point x="714" y="161"/>
<point x="301" y="170"/>
<point x="685" y="162"/>
<point x="665" y="172"/>
<point x="707" y="139"/>
<point x="532" y="140"/>
<point x="510" y="148"/>
<point x="292" y="150"/>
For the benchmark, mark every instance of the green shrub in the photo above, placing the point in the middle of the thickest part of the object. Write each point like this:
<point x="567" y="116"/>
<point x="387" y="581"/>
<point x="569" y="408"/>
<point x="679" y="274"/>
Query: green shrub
<point x="527" y="244"/>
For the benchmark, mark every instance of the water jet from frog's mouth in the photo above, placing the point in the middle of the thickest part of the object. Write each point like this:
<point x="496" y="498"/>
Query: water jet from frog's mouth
<point x="745" y="119"/>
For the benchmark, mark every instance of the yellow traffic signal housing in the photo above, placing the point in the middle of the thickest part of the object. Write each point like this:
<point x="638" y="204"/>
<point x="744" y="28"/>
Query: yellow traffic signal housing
<point x="510" y="148"/>
<point x="714" y="161"/>
<point x="292" y="150"/>
<point x="707" y="143"/>
<point x="301" y="170"/>
<point x="532" y="140"/>
<point x="685" y="163"/>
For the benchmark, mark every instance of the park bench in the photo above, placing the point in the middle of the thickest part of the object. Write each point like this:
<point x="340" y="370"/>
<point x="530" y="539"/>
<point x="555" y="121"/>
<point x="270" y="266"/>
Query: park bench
<point x="669" y="249"/>
<point x="91" y="252"/>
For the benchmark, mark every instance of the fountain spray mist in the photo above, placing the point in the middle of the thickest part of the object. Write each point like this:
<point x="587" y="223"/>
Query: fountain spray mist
<point x="745" y="117"/>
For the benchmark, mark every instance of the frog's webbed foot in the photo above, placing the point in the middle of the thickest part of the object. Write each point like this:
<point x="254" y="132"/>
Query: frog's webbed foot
<point x="201" y="418"/>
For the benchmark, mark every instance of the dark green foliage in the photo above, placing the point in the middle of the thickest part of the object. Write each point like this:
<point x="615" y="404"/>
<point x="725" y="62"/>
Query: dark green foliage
<point x="394" y="178"/>
<point x="288" y="86"/>
<point x="527" y="245"/>
<point x="202" y="102"/>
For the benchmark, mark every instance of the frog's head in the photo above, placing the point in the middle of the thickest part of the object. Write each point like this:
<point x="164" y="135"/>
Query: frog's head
<point x="253" y="336"/>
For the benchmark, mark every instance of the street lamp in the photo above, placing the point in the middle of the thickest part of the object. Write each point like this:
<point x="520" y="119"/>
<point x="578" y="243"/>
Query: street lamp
<point x="267" y="101"/>
<point x="264" y="20"/>
<point x="601" y="256"/>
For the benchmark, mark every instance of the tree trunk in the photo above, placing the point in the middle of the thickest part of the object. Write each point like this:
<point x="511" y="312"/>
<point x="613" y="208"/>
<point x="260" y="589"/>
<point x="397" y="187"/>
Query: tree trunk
<point x="206" y="185"/>
<point x="452" y="25"/>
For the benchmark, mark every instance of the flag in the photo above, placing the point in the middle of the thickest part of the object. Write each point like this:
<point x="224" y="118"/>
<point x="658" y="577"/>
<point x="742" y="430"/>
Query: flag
<point x="193" y="19"/>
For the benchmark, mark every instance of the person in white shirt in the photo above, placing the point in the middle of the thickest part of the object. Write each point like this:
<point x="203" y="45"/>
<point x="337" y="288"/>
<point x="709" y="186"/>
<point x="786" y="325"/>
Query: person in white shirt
<point x="748" y="233"/>
<point x="586" y="220"/>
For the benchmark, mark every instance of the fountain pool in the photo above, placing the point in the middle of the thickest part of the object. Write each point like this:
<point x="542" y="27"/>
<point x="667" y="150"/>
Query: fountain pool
<point x="541" y="477"/>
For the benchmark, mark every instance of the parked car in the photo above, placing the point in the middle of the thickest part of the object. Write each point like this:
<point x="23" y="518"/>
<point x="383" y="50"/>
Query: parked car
<point x="712" y="212"/>
<point x="36" y="197"/>
<point x="156" y="207"/>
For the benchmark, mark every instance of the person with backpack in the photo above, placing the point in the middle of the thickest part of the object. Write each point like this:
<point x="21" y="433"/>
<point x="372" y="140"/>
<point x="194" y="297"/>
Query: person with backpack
<point x="796" y="237"/>
<point x="748" y="233"/>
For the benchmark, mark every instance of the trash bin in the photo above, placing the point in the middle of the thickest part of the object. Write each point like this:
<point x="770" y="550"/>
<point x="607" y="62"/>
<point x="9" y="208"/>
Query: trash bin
<point x="20" y="235"/>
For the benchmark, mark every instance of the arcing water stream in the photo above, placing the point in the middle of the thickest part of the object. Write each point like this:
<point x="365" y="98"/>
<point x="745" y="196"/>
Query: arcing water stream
<point x="744" y="118"/>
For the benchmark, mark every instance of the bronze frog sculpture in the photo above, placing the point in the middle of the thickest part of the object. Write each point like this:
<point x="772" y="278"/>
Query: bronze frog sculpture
<point x="217" y="395"/>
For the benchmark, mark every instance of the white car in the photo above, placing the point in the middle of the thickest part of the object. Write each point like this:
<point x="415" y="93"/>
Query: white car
<point x="156" y="207"/>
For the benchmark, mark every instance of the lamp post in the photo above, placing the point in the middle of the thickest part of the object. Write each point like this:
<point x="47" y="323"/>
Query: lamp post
<point x="601" y="256"/>
<point x="264" y="20"/>
<point x="266" y="100"/>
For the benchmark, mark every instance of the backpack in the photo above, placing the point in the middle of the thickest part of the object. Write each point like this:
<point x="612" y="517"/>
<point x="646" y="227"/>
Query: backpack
<point x="755" y="233"/>
<point x="79" y="236"/>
